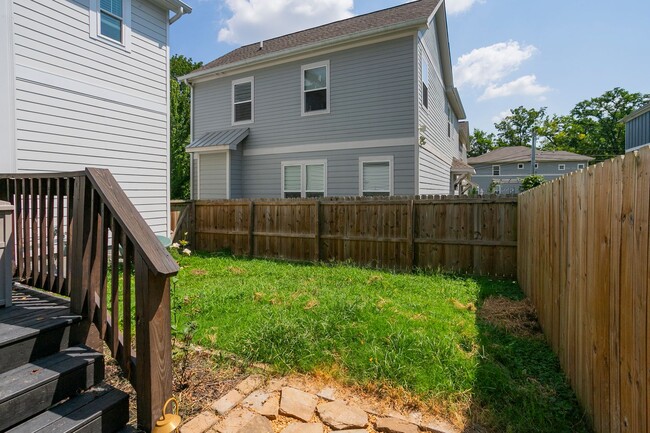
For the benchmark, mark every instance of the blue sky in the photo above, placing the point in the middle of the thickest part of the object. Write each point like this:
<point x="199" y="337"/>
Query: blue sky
<point x="506" y="53"/>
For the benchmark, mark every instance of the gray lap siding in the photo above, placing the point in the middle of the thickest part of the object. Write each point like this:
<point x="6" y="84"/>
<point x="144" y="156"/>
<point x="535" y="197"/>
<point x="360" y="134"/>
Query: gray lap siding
<point x="510" y="173"/>
<point x="637" y="132"/>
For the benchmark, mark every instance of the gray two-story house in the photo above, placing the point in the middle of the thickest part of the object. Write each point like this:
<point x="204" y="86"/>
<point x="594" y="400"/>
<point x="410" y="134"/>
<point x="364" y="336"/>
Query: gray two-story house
<point x="364" y="106"/>
<point x="502" y="170"/>
<point x="637" y="129"/>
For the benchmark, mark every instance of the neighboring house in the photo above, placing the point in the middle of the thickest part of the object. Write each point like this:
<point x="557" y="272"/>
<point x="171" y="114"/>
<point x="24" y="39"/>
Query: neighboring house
<point x="637" y="128"/>
<point x="502" y="170"/>
<point x="85" y="83"/>
<point x="363" y="106"/>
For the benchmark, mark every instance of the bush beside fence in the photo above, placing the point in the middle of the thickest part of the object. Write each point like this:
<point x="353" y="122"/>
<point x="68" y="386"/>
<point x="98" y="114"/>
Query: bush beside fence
<point x="583" y="261"/>
<point x="457" y="234"/>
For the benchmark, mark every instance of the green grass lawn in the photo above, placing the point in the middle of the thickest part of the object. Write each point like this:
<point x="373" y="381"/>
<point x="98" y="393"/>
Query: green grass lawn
<point x="417" y="332"/>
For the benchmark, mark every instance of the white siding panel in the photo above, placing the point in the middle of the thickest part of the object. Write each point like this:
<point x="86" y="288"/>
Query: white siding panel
<point x="81" y="102"/>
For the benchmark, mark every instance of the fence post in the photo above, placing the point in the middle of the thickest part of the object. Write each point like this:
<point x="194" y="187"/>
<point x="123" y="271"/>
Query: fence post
<point x="411" y="234"/>
<point x="317" y="212"/>
<point x="192" y="225"/>
<point x="251" y="227"/>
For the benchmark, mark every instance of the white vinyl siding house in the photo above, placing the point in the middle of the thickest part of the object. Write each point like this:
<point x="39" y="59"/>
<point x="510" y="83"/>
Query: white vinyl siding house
<point x="352" y="101"/>
<point x="90" y="88"/>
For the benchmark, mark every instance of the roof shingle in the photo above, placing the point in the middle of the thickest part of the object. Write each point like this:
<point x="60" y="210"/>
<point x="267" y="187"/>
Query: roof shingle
<point x="523" y="154"/>
<point x="417" y="10"/>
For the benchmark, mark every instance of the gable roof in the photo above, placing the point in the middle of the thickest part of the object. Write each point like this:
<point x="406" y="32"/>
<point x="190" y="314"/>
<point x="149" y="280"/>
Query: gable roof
<point x="522" y="154"/>
<point x="417" y="12"/>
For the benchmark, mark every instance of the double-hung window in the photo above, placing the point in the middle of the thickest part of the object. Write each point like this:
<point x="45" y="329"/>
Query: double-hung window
<point x="315" y="88"/>
<point x="376" y="176"/>
<point x="242" y="100"/>
<point x="496" y="170"/>
<point x="561" y="167"/>
<point x="307" y="179"/>
<point x="110" y="21"/>
<point x="581" y="166"/>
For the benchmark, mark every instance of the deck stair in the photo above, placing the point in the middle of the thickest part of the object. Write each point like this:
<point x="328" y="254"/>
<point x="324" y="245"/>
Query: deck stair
<point x="48" y="382"/>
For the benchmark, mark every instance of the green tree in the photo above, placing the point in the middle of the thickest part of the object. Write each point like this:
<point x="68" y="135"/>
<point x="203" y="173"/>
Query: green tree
<point x="599" y="119"/>
<point x="179" y="107"/>
<point x="531" y="181"/>
<point x="480" y="142"/>
<point x="518" y="127"/>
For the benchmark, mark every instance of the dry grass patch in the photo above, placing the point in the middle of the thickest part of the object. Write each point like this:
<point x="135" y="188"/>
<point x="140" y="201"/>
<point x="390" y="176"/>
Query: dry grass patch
<point x="515" y="316"/>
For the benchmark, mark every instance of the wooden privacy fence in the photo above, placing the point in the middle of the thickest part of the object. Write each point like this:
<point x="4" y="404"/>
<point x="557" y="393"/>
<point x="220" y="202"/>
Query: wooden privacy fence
<point x="467" y="235"/>
<point x="583" y="260"/>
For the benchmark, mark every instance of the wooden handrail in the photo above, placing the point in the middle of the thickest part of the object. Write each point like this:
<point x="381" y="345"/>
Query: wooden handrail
<point x="136" y="228"/>
<point x="75" y="231"/>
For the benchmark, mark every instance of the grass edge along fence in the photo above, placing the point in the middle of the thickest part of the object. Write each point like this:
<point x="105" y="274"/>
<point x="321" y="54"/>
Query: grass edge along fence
<point x="475" y="236"/>
<point x="583" y="261"/>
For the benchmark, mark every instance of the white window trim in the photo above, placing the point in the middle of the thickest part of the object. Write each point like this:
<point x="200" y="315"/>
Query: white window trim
<point x="389" y="159"/>
<point x="520" y="166"/>
<point x="497" y="167"/>
<point x="581" y="166"/>
<point x="561" y="167"/>
<point x="328" y="87"/>
<point x="303" y="175"/>
<point x="95" y="23"/>
<point x="242" y="81"/>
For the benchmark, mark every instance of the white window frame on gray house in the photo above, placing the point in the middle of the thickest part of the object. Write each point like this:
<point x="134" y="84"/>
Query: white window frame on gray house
<point x="326" y="88"/>
<point x="561" y="167"/>
<point x="250" y="101"/>
<point x="520" y="166"/>
<point x="364" y="190"/>
<point x="496" y="170"/>
<point x="581" y="166"/>
<point x="96" y="26"/>
<point x="306" y="188"/>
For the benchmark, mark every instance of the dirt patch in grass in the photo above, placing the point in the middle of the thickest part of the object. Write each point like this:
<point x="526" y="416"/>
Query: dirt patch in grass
<point x="515" y="316"/>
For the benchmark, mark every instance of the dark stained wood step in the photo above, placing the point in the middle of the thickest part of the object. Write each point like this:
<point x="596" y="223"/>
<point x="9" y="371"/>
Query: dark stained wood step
<point x="100" y="410"/>
<point x="37" y="325"/>
<point x="34" y="387"/>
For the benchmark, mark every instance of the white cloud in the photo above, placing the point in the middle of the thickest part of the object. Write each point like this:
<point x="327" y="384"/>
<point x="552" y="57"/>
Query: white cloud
<point x="485" y="66"/>
<point x="502" y="115"/>
<point x="460" y="6"/>
<point x="256" y="20"/>
<point x="526" y="86"/>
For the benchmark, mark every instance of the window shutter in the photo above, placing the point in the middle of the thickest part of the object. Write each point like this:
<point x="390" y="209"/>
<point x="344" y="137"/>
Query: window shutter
<point x="292" y="178"/>
<point x="376" y="176"/>
<point x="315" y="178"/>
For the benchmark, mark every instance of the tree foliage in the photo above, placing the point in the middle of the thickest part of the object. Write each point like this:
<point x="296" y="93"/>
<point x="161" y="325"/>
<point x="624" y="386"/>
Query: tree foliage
<point x="180" y="112"/>
<point x="517" y="128"/>
<point x="480" y="142"/>
<point x="531" y="181"/>
<point x="593" y="127"/>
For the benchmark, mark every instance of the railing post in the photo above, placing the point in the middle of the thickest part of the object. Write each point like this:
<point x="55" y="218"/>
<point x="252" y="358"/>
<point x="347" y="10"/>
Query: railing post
<point x="79" y="255"/>
<point x="153" y="343"/>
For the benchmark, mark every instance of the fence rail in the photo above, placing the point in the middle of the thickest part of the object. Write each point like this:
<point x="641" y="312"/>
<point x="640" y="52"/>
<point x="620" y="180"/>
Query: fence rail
<point x="583" y="260"/>
<point x="475" y="236"/>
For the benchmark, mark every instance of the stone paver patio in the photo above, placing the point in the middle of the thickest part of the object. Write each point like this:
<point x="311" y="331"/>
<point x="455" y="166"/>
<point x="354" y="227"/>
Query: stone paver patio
<point x="283" y="406"/>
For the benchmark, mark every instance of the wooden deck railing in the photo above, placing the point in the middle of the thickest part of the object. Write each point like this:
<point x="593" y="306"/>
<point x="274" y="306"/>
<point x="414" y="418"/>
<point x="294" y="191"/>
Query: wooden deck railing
<point x="78" y="235"/>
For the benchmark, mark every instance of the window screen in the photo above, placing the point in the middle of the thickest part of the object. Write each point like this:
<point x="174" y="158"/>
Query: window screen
<point x="243" y="101"/>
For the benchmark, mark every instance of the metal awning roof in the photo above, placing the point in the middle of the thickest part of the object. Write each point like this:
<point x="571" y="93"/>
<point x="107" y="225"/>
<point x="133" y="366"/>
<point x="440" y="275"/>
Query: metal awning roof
<point x="224" y="139"/>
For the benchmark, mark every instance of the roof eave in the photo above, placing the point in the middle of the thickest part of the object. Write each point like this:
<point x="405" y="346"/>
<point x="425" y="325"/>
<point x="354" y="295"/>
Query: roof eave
<point x="177" y="6"/>
<point x="394" y="28"/>
<point x="637" y="113"/>
<point x="445" y="57"/>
